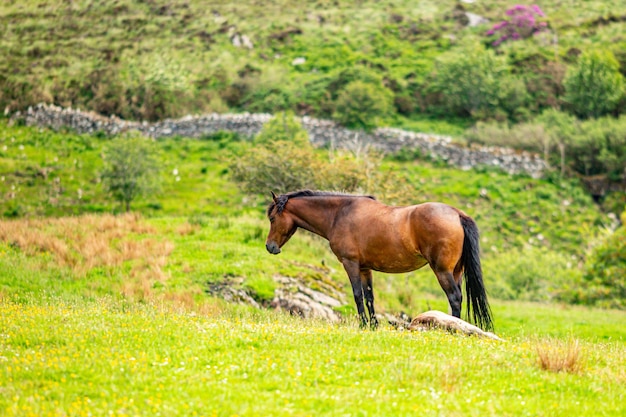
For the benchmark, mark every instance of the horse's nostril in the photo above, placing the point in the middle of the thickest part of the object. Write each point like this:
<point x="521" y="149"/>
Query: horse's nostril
<point x="272" y="248"/>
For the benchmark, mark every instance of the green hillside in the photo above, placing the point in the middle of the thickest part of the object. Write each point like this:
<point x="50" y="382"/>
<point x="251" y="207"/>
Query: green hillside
<point x="536" y="233"/>
<point x="151" y="59"/>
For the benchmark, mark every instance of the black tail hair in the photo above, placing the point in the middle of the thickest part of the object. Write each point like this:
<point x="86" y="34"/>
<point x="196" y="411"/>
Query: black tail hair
<point x="474" y="287"/>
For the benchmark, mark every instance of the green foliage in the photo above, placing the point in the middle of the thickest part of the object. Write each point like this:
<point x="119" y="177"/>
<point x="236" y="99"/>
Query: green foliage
<point x="598" y="147"/>
<point x="605" y="274"/>
<point x="478" y="83"/>
<point x="594" y="86"/>
<point x="532" y="274"/>
<point x="279" y="166"/>
<point x="132" y="59"/>
<point x="561" y="128"/>
<point x="282" y="160"/>
<point x="283" y="127"/>
<point x="131" y="168"/>
<point x="592" y="147"/>
<point x="362" y="105"/>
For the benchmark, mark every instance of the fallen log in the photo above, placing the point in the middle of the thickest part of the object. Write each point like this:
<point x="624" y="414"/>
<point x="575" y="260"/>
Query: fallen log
<point x="437" y="319"/>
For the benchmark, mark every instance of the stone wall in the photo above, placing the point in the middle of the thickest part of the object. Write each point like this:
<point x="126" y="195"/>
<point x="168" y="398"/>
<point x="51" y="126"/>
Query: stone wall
<point x="321" y="133"/>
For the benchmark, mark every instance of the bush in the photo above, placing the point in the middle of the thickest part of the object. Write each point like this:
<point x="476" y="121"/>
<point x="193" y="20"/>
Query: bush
<point x="363" y="105"/>
<point x="479" y="84"/>
<point x="521" y="23"/>
<point x="531" y="274"/>
<point x="594" y="86"/>
<point x="283" y="127"/>
<point x="605" y="272"/>
<point x="131" y="168"/>
<point x="599" y="148"/>
<point x="561" y="128"/>
<point x="527" y="136"/>
<point x="283" y="160"/>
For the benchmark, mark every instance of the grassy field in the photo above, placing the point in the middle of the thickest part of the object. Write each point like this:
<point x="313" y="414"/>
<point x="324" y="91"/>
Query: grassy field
<point x="107" y="357"/>
<point x="104" y="314"/>
<point x="107" y="315"/>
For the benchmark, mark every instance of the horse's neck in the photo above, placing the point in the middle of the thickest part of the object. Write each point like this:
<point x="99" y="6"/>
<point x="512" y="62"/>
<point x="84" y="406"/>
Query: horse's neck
<point x="316" y="214"/>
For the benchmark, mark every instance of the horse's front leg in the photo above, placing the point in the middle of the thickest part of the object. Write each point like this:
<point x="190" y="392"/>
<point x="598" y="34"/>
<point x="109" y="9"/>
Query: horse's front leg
<point x="368" y="289"/>
<point x="354" y="273"/>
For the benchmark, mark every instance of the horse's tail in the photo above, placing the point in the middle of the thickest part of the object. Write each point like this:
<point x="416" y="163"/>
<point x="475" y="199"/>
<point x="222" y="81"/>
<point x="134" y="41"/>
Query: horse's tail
<point x="474" y="287"/>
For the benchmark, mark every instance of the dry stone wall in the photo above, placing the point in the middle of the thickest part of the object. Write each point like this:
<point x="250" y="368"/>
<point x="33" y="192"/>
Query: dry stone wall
<point x="321" y="133"/>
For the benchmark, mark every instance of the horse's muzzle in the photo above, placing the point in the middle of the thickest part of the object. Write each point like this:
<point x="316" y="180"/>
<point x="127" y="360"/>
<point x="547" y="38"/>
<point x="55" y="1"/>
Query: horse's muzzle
<point x="272" y="248"/>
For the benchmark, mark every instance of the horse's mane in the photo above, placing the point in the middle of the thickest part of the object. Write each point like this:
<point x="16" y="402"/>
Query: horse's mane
<point x="282" y="199"/>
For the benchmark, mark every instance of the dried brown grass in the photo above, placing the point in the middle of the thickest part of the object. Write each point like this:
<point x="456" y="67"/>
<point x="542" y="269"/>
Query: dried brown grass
<point x="95" y="241"/>
<point x="560" y="356"/>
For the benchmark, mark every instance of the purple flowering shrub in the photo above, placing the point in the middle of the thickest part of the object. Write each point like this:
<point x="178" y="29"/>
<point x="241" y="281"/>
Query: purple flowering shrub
<point x="522" y="22"/>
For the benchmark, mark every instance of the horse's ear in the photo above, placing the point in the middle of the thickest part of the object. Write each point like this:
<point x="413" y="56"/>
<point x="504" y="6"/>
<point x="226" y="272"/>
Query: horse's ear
<point x="274" y="196"/>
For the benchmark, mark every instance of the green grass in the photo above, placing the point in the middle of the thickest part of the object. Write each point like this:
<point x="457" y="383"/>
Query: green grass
<point x="104" y="315"/>
<point x="82" y="358"/>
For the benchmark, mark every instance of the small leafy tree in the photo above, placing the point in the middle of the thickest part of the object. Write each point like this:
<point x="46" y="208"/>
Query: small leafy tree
<point x="594" y="86"/>
<point x="562" y="129"/>
<point x="131" y="168"/>
<point x="282" y="160"/>
<point x="478" y="83"/>
<point x="522" y="22"/>
<point x="362" y="105"/>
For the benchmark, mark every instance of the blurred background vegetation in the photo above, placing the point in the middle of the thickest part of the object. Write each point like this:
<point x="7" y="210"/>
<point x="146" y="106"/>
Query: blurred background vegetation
<point x="548" y="80"/>
<point x="486" y="72"/>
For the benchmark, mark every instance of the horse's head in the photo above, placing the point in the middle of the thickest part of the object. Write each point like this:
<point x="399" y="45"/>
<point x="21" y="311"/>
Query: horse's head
<point x="282" y="224"/>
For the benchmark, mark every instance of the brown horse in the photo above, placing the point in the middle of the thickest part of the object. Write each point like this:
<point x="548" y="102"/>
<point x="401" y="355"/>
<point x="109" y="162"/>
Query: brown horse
<point x="367" y="235"/>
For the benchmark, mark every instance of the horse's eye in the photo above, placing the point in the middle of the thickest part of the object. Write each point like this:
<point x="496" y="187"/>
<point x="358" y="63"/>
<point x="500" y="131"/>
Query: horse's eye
<point x="272" y="219"/>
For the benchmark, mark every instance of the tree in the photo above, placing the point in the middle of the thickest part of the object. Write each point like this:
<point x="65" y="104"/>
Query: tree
<point x="594" y="86"/>
<point x="282" y="160"/>
<point x="131" y="168"/>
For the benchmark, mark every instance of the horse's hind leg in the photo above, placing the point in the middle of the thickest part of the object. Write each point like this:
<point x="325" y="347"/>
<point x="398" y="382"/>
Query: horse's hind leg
<point x="452" y="290"/>
<point x="368" y="289"/>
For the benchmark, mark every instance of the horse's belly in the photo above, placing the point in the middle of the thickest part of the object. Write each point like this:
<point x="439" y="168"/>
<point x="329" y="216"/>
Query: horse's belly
<point x="398" y="264"/>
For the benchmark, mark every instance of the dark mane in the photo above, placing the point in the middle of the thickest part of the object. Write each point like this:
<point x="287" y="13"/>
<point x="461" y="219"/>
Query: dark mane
<point x="282" y="199"/>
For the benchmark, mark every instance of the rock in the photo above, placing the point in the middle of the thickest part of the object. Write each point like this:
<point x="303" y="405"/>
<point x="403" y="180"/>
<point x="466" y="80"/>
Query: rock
<point x="299" y="299"/>
<point x="475" y="20"/>
<point x="321" y="133"/>
<point x="437" y="319"/>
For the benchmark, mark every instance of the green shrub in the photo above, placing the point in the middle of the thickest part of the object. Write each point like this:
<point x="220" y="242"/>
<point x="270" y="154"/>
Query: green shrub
<point x="561" y="128"/>
<point x="131" y="168"/>
<point x="282" y="159"/>
<point x="283" y="127"/>
<point x="594" y="86"/>
<point x="363" y="105"/>
<point x="599" y="148"/>
<point x="531" y="273"/>
<point x="478" y="83"/>
<point x="605" y="272"/>
<point x="528" y="136"/>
